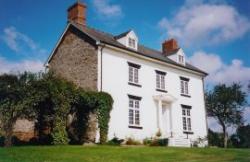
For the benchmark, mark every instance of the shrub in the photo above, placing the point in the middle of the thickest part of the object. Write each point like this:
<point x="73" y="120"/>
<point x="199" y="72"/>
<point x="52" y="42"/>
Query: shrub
<point x="115" y="141"/>
<point x="159" y="142"/>
<point x="147" y="141"/>
<point x="155" y="142"/>
<point x="131" y="141"/>
<point x="59" y="134"/>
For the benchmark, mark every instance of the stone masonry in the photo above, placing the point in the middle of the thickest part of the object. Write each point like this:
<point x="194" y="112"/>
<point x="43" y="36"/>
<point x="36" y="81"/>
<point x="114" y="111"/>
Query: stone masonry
<point x="76" y="60"/>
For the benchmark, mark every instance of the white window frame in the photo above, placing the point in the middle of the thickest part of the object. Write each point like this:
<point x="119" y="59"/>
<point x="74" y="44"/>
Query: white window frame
<point x="184" y="86"/>
<point x="186" y="119"/>
<point x="160" y="80"/>
<point x="181" y="59"/>
<point x="131" y="42"/>
<point x="133" y="73"/>
<point x="134" y="116"/>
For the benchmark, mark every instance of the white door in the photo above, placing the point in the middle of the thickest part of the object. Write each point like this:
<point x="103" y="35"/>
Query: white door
<point x="165" y="120"/>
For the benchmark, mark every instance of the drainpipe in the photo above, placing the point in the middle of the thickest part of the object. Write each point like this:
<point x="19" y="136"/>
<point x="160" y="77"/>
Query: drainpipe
<point x="102" y="47"/>
<point x="205" y="106"/>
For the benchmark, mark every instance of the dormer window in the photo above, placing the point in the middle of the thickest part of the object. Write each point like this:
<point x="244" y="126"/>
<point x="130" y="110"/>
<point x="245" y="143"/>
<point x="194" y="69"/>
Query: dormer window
<point x="128" y="39"/>
<point x="131" y="42"/>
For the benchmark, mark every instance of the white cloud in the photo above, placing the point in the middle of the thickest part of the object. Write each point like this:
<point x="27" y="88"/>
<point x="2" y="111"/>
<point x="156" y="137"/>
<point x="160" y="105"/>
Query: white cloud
<point x="220" y="72"/>
<point x="20" y="66"/>
<point x="199" y="23"/>
<point x="21" y="43"/>
<point x="107" y="10"/>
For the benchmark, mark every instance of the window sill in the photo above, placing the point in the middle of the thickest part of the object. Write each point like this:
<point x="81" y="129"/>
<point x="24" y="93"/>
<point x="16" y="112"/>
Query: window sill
<point x="134" y="84"/>
<point x="184" y="95"/>
<point x="134" y="127"/>
<point x="187" y="132"/>
<point x="161" y="90"/>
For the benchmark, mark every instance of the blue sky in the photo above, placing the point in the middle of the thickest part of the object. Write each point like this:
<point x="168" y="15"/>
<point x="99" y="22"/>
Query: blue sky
<point x="215" y="34"/>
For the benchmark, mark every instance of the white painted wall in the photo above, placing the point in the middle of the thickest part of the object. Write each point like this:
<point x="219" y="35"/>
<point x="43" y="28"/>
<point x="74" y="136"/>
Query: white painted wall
<point x="115" y="82"/>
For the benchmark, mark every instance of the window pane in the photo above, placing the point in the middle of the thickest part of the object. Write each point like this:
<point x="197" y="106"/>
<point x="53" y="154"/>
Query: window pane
<point x="182" y="86"/>
<point x="137" y="117"/>
<point x="162" y="82"/>
<point x="188" y="112"/>
<point x="136" y="77"/>
<point x="131" y="103"/>
<point x="131" y="74"/>
<point x="183" y="112"/>
<point x="184" y="123"/>
<point x="137" y="104"/>
<point x="186" y="87"/>
<point x="158" y="81"/>
<point x="131" y="116"/>
<point x="189" y="124"/>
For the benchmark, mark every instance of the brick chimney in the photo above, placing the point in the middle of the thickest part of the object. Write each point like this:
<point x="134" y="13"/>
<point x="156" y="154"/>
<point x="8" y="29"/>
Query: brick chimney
<point x="169" y="46"/>
<point x="77" y="13"/>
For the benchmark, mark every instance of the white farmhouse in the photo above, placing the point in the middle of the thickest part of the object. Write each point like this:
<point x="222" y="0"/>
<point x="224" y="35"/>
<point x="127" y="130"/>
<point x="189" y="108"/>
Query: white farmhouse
<point x="152" y="90"/>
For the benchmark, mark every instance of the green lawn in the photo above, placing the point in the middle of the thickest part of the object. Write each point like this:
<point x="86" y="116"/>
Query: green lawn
<point x="122" y="154"/>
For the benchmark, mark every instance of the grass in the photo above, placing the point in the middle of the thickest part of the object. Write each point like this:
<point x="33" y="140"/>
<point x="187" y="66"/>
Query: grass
<point x="121" y="154"/>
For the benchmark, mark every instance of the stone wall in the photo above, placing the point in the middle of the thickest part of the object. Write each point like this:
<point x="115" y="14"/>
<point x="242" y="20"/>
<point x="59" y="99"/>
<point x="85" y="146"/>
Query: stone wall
<point x="24" y="129"/>
<point x="75" y="59"/>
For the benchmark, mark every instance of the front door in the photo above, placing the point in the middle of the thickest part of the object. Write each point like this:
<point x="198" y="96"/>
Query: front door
<point x="165" y="120"/>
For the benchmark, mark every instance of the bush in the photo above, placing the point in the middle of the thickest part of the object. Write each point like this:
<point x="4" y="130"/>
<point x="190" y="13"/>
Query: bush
<point x="147" y="141"/>
<point x="59" y="134"/>
<point x="115" y="141"/>
<point x="159" y="142"/>
<point x="155" y="142"/>
<point x="131" y="141"/>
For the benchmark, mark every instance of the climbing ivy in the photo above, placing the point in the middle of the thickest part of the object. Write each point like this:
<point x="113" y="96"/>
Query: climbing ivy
<point x="105" y="104"/>
<point x="100" y="103"/>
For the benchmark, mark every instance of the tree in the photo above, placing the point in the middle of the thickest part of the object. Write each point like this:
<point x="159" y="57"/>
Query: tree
<point x="226" y="104"/>
<point x="54" y="97"/>
<point x="14" y="103"/>
<point x="215" y="138"/>
<point x="241" y="137"/>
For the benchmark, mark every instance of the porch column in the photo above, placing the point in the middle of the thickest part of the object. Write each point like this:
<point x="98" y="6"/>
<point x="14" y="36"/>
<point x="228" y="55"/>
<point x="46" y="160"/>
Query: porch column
<point x="171" y="121"/>
<point x="160" y="114"/>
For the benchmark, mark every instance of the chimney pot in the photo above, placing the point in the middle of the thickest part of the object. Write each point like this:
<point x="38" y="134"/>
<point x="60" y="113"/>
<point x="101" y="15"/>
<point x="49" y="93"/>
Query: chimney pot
<point x="169" y="46"/>
<point x="77" y="13"/>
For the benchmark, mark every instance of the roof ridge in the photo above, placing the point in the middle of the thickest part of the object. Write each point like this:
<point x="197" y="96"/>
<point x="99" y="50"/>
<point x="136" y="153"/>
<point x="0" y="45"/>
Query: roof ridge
<point x="98" y="30"/>
<point x="150" y="48"/>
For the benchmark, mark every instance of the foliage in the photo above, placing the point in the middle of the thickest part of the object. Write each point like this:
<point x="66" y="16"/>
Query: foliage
<point x="105" y="104"/>
<point x="147" y="141"/>
<point x="115" y="141"/>
<point x="59" y="134"/>
<point x="226" y="104"/>
<point x="49" y="100"/>
<point x="16" y="98"/>
<point x="99" y="103"/>
<point x="241" y="138"/>
<point x="155" y="141"/>
<point x="131" y="141"/>
<point x="215" y="138"/>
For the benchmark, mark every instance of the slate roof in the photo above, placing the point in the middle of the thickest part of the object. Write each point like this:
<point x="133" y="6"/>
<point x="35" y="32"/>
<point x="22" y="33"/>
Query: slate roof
<point x="142" y="50"/>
